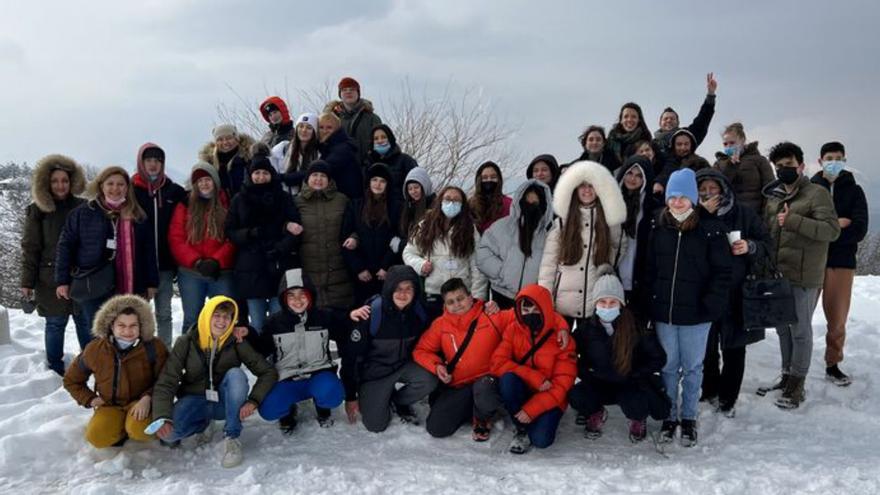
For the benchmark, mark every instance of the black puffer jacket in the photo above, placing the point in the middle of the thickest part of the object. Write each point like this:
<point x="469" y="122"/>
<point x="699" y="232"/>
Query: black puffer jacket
<point x="688" y="271"/>
<point x="371" y="356"/>
<point x="340" y="152"/>
<point x="256" y="225"/>
<point x="849" y="202"/>
<point x="159" y="208"/>
<point x="596" y="354"/>
<point x="606" y="157"/>
<point x="398" y="162"/>
<point x="374" y="242"/>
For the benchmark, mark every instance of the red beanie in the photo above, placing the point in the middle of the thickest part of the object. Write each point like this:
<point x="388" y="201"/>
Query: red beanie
<point x="349" y="82"/>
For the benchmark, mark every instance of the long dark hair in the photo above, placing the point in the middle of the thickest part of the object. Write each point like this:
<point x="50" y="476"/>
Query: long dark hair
<point x="626" y="336"/>
<point x="459" y="234"/>
<point x="642" y="128"/>
<point x="375" y="210"/>
<point x="528" y="226"/>
<point x="486" y="208"/>
<point x="302" y="154"/>
<point x="572" y="242"/>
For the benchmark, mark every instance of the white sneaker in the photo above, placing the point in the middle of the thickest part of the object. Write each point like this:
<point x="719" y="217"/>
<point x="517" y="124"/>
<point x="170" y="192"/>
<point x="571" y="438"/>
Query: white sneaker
<point x="232" y="456"/>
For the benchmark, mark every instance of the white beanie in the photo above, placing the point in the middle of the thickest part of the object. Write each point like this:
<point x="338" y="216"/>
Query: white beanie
<point x="308" y="118"/>
<point x="608" y="285"/>
<point x="224" y="130"/>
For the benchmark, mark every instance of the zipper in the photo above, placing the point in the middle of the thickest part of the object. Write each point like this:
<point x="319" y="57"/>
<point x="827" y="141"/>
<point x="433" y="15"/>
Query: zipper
<point x="587" y="264"/>
<point x="674" y="275"/>
<point x="116" y="364"/>
<point x="522" y="273"/>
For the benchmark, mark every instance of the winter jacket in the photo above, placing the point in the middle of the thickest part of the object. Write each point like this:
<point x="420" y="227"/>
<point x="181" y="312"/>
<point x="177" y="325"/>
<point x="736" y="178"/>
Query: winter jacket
<point x="340" y="153"/>
<point x="186" y="371"/>
<point x="371" y="356"/>
<point x="752" y="229"/>
<point x="619" y="142"/>
<point x="688" y="271"/>
<point x="439" y="344"/>
<point x="121" y="377"/>
<point x="327" y="221"/>
<point x="698" y="128"/>
<point x="596" y="354"/>
<point x="672" y="162"/>
<point x="232" y="166"/>
<point x="282" y="131"/>
<point x="547" y="363"/>
<point x="446" y="266"/>
<point x="606" y="158"/>
<point x="800" y="246"/>
<point x="374" y="251"/>
<point x="83" y="246"/>
<point x="358" y="123"/>
<point x="506" y="202"/>
<point x="44" y="219"/>
<point x="748" y="176"/>
<point x="159" y="206"/>
<point x="256" y="225"/>
<point x="399" y="163"/>
<point x="631" y="264"/>
<point x="499" y="256"/>
<point x="849" y="202"/>
<point x="186" y="253"/>
<point x="571" y="285"/>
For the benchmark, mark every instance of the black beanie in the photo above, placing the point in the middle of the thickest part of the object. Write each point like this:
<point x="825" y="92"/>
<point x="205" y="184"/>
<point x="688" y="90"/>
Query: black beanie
<point x="261" y="163"/>
<point x="154" y="152"/>
<point x="319" y="166"/>
<point x="379" y="170"/>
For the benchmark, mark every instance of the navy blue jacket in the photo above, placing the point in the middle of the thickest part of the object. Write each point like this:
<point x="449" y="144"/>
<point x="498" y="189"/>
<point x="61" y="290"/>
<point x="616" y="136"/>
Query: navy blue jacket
<point x="341" y="153"/>
<point x="159" y="209"/>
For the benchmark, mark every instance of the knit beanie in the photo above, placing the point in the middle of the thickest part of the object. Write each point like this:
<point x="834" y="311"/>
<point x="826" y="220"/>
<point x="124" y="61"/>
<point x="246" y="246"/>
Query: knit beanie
<point x="308" y="118"/>
<point x="224" y="130"/>
<point x="608" y="285"/>
<point x="154" y="152"/>
<point x="349" y="82"/>
<point x="379" y="170"/>
<point x="683" y="183"/>
<point x="319" y="166"/>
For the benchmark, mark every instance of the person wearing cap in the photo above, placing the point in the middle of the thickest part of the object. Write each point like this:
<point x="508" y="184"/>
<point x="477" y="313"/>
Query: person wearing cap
<point x="265" y="226"/>
<point x="357" y="116"/>
<point x="275" y="113"/>
<point x="687" y="284"/>
<point x="198" y="242"/>
<point x="339" y="153"/>
<point x="229" y="153"/>
<point x="375" y="223"/>
<point x="158" y="195"/>
<point x="750" y="247"/>
<point x="57" y="182"/>
<point x="385" y="149"/>
<point x="328" y="239"/>
<point x="619" y="362"/>
<point x="301" y="152"/>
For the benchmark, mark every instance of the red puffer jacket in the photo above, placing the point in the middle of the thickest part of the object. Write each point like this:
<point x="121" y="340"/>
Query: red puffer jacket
<point x="185" y="253"/>
<point x="549" y="362"/>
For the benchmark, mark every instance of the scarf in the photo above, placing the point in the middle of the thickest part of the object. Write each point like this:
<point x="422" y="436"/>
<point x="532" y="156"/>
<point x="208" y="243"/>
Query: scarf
<point x="123" y="232"/>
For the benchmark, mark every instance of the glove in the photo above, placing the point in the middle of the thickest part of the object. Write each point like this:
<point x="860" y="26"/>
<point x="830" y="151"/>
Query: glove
<point x="208" y="267"/>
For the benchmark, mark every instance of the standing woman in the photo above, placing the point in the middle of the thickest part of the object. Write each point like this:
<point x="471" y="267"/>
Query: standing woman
<point x="229" y="152"/>
<point x="444" y="246"/>
<point x="263" y="224"/>
<point x="301" y="152"/>
<point x="56" y="183"/>
<point x="744" y="166"/>
<point x="340" y="153"/>
<point x="106" y="246"/>
<point x="630" y="127"/>
<point x="544" y="168"/>
<point x="509" y="253"/>
<point x="488" y="203"/>
<point x="198" y="242"/>
<point x="418" y="196"/>
<point x="386" y="150"/>
<point x="586" y="236"/>
<point x="376" y="230"/>
<point x="688" y="276"/>
<point x="595" y="148"/>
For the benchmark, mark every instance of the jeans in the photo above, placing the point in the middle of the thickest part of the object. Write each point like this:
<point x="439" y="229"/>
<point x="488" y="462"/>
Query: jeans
<point x="194" y="289"/>
<point x="685" y="347"/>
<point x="162" y="303"/>
<point x="90" y="308"/>
<point x="259" y="309"/>
<point x="514" y="393"/>
<point x="796" y="341"/>
<point x="324" y="387"/>
<point x="193" y="413"/>
<point x="54" y="338"/>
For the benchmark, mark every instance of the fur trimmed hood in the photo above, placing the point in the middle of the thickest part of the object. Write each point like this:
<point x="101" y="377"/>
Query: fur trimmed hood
<point x="41" y="191"/>
<point x="208" y="153"/>
<point x="606" y="188"/>
<point x="336" y="106"/>
<point x="111" y="309"/>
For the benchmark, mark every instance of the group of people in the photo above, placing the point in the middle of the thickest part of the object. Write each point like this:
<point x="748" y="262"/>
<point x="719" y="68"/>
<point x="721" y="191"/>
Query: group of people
<point x="616" y="278"/>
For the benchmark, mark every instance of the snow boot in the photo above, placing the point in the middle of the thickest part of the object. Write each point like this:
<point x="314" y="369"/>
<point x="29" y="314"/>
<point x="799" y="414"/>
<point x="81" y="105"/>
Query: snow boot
<point x="837" y="377"/>
<point x="688" y="432"/>
<point x="595" y="421"/>
<point x="521" y="442"/>
<point x="482" y="430"/>
<point x="793" y="394"/>
<point x="667" y="431"/>
<point x="407" y="415"/>
<point x="638" y="430"/>
<point x="325" y="420"/>
<point x="232" y="453"/>
<point x="580" y="419"/>
<point x="779" y="385"/>
<point x="288" y="423"/>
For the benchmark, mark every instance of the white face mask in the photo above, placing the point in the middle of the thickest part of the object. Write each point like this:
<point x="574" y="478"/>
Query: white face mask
<point x="124" y="344"/>
<point x="681" y="217"/>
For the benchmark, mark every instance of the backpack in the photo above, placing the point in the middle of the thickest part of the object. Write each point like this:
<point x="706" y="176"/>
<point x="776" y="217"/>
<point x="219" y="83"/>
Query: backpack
<point x="376" y="313"/>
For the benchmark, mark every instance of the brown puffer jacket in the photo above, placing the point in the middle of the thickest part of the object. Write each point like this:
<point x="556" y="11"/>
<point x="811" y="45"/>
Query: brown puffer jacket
<point x="748" y="177"/>
<point x="120" y="376"/>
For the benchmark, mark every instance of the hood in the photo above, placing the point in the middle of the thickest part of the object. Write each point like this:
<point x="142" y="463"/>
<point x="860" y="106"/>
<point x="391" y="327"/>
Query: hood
<point x="395" y="275"/>
<point x="683" y="132"/>
<point x="336" y="106"/>
<point x="549" y="160"/>
<point x="278" y="102"/>
<point x="726" y="188"/>
<point x="295" y="278"/>
<point x="204" y="322"/>
<point x="208" y="169"/>
<point x="41" y="191"/>
<point x="208" y="153"/>
<point x="516" y="209"/>
<point x="606" y="189"/>
<point x="846" y="178"/>
<point x="335" y="139"/>
<point x="392" y="139"/>
<point x="139" y="179"/>
<point x="105" y="316"/>
<point x="421" y="176"/>
<point x="643" y="163"/>
<point x="542" y="298"/>
<point x="308" y="193"/>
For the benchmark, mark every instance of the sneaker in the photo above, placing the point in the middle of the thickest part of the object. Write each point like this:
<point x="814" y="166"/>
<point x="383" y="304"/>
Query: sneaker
<point x="595" y="421"/>
<point x="232" y="453"/>
<point x="288" y="423"/>
<point x="407" y="415"/>
<point x="638" y="430"/>
<point x="779" y="385"/>
<point x="580" y="419"/>
<point x="206" y="436"/>
<point x="667" y="432"/>
<point x="793" y="394"/>
<point x="482" y="430"/>
<point x="325" y="420"/>
<point x="837" y="377"/>
<point x="688" y="432"/>
<point x="520" y="443"/>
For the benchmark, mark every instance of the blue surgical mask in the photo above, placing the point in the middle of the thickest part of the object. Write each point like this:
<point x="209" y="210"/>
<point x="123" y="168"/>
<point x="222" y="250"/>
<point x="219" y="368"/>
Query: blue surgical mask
<point x="833" y="167"/>
<point x="450" y="208"/>
<point x="608" y="314"/>
<point x="153" y="178"/>
<point x="731" y="150"/>
<point x="124" y="344"/>
<point x="382" y="149"/>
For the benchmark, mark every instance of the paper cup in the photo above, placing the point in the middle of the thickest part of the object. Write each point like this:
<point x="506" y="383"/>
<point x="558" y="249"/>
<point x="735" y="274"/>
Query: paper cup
<point x="733" y="236"/>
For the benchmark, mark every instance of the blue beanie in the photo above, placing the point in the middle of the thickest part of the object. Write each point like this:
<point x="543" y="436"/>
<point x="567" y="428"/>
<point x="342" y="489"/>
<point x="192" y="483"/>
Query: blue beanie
<point x="683" y="183"/>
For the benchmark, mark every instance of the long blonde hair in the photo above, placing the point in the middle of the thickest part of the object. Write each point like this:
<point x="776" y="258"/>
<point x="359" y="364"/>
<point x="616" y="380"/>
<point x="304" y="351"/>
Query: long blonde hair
<point x="130" y="209"/>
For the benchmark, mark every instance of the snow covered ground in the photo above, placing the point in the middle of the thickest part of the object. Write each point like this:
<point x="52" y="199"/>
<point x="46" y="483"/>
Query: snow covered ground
<point x="829" y="445"/>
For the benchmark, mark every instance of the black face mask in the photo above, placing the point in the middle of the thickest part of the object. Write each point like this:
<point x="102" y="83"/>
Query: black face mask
<point x="788" y="175"/>
<point x="488" y="187"/>
<point x="532" y="210"/>
<point x="535" y="321"/>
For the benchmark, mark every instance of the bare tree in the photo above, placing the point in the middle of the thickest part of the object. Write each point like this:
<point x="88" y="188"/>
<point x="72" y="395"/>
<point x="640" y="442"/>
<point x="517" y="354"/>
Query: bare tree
<point x="14" y="197"/>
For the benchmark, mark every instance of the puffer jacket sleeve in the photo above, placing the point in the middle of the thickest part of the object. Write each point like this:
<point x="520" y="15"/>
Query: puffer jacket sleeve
<point x="67" y="242"/>
<point x="715" y="298"/>
<point x="161" y="358"/>
<point x="183" y="252"/>
<point x="427" y="351"/>
<point x="550" y="258"/>
<point x="859" y="217"/>
<point x="504" y="361"/>
<point x="257" y="364"/>
<point x="651" y="356"/>
<point x="352" y="352"/>
<point x="561" y="381"/>
<point x="413" y="257"/>
<point x="76" y="379"/>
<point x="823" y="226"/>
<point x="168" y="382"/>
<point x="619" y="241"/>
<point x="31" y="247"/>
<point x="239" y="234"/>
<point x="700" y="126"/>
<point x="489" y="260"/>
<point x="479" y="284"/>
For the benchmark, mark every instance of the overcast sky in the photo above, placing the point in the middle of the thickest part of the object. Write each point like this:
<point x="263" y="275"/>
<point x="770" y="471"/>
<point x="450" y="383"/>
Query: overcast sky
<point x="96" y="79"/>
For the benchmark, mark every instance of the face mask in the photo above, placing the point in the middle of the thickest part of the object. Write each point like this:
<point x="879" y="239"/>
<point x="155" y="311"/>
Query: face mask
<point x="206" y="195"/>
<point x="731" y="150"/>
<point x="124" y="344"/>
<point x="114" y="204"/>
<point x="450" y="208"/>
<point x="681" y="217"/>
<point x="608" y="314"/>
<point x="154" y="178"/>
<point x="531" y="210"/>
<point x="833" y="167"/>
<point x="534" y="321"/>
<point x="488" y="187"/>
<point x="788" y="175"/>
<point x="382" y="149"/>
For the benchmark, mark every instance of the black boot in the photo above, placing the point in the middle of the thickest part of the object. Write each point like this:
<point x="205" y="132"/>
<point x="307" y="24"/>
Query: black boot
<point x="779" y="385"/>
<point x="793" y="394"/>
<point x="288" y="422"/>
<point x="688" y="432"/>
<point x="406" y="414"/>
<point x="324" y="418"/>
<point x="667" y="431"/>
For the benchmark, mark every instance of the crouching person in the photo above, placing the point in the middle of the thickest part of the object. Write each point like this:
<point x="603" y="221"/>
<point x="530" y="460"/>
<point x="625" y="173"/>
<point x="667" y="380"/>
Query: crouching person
<point x="534" y="373"/>
<point x="297" y="340"/>
<point x="618" y="363"/>
<point x="204" y="372"/>
<point x="378" y="357"/>
<point x="125" y="360"/>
